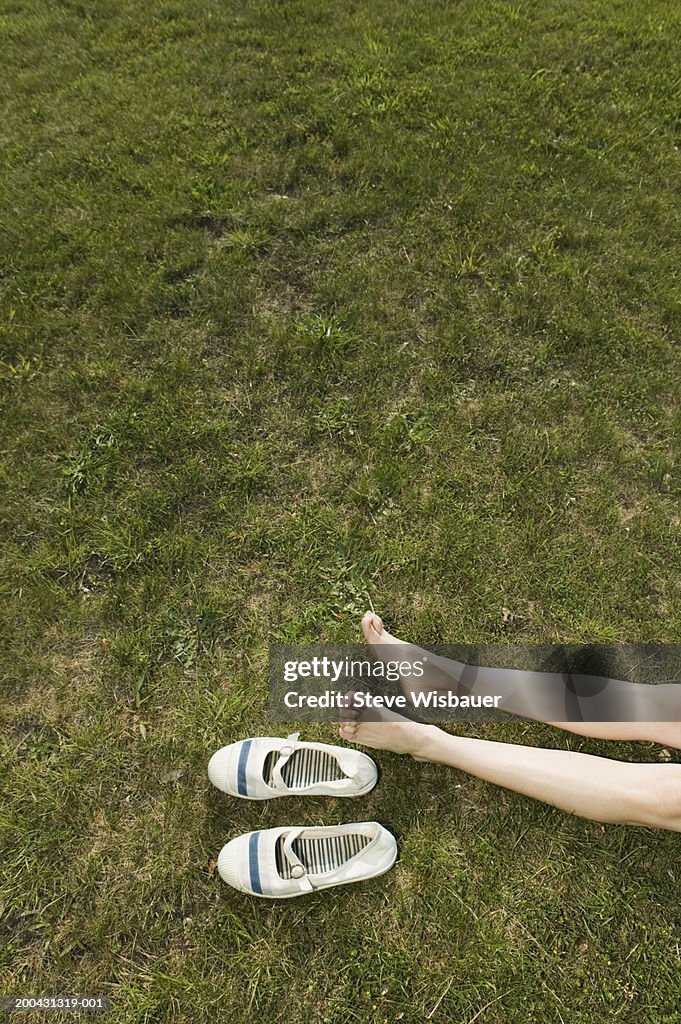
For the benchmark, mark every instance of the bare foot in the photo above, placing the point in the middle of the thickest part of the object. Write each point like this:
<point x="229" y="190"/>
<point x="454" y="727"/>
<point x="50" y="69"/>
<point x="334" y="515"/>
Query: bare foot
<point x="374" y="630"/>
<point x="386" y="730"/>
<point x="437" y="673"/>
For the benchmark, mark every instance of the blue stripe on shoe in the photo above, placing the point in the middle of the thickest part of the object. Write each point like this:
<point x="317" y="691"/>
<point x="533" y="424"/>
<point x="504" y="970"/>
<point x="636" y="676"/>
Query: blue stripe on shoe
<point x="241" y="783"/>
<point x="253" y="866"/>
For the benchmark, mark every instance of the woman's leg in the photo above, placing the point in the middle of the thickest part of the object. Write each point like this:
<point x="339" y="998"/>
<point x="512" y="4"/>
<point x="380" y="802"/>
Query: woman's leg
<point x="652" y="710"/>
<point x="667" y="733"/>
<point x="582" y="784"/>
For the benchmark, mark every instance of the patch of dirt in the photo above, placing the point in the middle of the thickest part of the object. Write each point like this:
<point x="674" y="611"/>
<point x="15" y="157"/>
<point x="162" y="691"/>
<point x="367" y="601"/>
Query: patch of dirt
<point x="90" y="576"/>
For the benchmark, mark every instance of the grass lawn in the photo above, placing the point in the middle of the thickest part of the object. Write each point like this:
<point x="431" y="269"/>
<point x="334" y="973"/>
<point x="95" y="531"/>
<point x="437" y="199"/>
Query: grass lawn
<point x="306" y="307"/>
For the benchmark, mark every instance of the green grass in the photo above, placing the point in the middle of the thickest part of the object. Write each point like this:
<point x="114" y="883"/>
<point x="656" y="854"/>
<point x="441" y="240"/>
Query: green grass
<point x="306" y="306"/>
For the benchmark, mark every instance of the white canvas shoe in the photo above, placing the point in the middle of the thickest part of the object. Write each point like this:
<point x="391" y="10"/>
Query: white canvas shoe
<point x="265" y="767"/>
<point x="279" y="863"/>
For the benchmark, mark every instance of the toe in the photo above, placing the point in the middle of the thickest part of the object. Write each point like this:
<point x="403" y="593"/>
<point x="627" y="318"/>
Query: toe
<point x="371" y="625"/>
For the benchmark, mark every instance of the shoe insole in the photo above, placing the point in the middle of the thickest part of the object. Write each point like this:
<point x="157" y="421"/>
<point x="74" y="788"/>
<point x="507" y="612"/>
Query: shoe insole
<point x="304" y="768"/>
<point x="319" y="855"/>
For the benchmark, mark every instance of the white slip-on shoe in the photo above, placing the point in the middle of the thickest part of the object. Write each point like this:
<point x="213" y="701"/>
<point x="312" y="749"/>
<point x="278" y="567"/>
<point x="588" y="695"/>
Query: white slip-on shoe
<point x="265" y="767"/>
<point x="279" y="863"/>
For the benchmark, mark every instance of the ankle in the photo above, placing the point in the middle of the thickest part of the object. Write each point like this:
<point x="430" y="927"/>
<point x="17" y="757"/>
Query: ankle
<point x="424" y="742"/>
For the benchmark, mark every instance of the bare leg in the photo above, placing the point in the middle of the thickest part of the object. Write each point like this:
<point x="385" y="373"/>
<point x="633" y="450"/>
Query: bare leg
<point x="540" y="695"/>
<point x="667" y="733"/>
<point x="592" y="787"/>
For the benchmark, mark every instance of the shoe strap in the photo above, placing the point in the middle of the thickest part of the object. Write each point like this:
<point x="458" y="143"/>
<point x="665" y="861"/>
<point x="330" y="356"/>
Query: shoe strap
<point x="285" y="753"/>
<point x="298" y="869"/>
